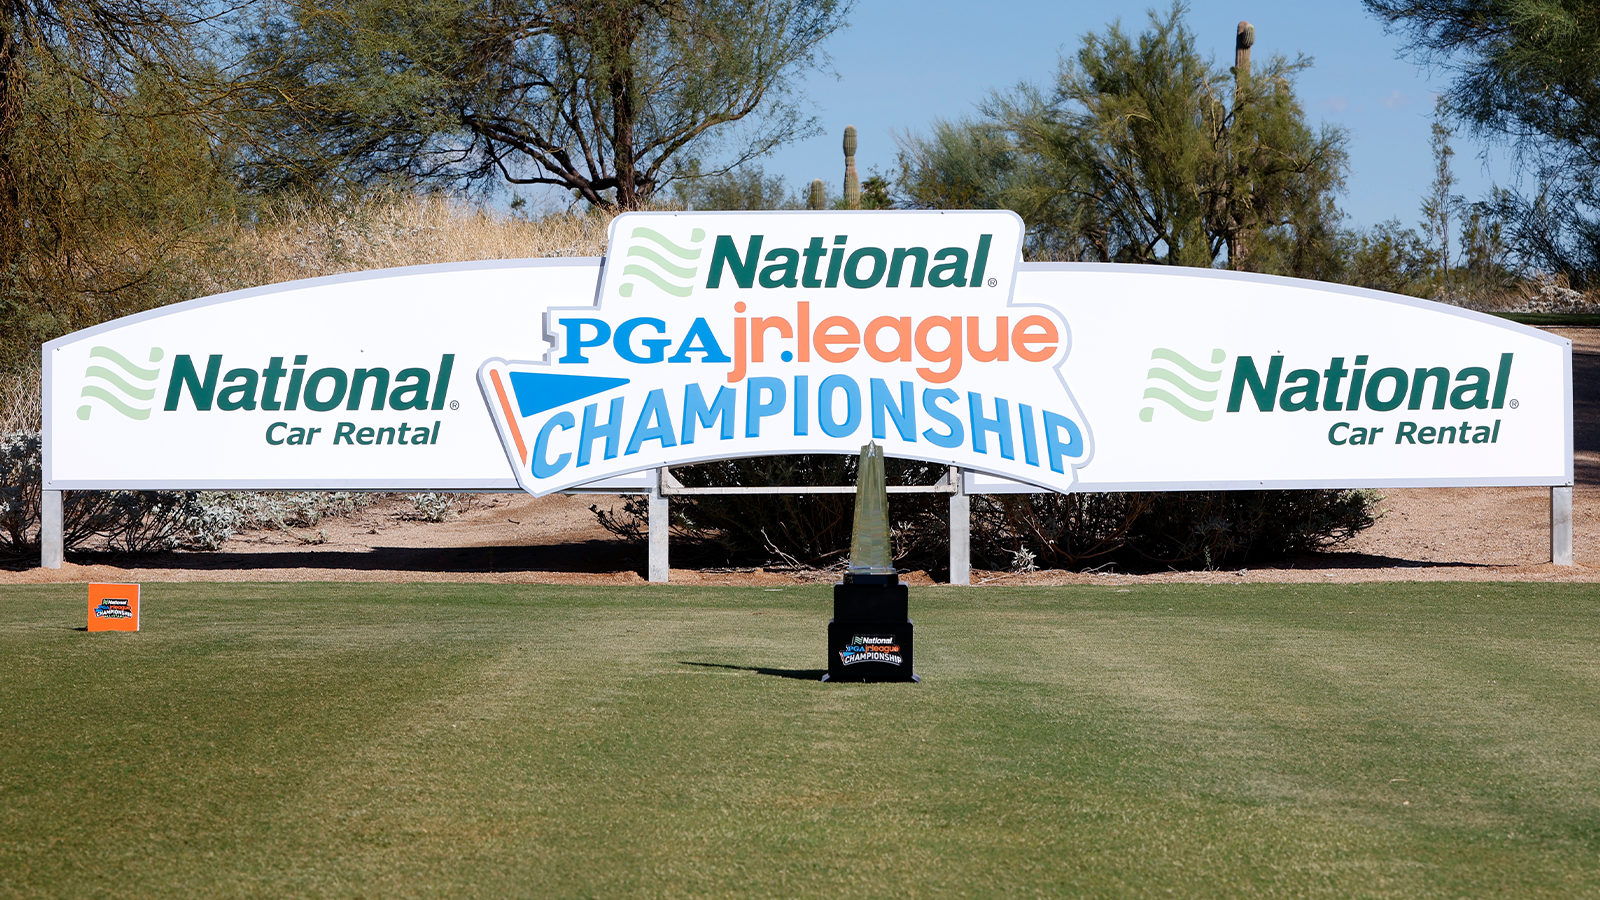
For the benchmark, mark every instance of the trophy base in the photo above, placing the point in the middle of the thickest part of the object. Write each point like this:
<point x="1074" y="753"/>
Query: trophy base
<point x="870" y="635"/>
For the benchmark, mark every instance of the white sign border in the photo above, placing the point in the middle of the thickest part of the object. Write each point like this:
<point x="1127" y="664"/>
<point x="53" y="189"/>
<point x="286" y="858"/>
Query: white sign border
<point x="47" y="376"/>
<point x="978" y="484"/>
<point x="1430" y="306"/>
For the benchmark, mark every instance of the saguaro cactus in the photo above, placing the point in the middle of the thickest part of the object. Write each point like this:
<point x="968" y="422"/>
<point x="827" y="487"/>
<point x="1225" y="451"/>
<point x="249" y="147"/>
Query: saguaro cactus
<point x="1245" y="38"/>
<point x="1242" y="43"/>
<point x="818" y="196"/>
<point x="852" y="181"/>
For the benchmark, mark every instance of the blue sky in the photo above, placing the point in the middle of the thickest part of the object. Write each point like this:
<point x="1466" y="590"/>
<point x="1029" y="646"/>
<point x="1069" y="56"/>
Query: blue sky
<point x="902" y="65"/>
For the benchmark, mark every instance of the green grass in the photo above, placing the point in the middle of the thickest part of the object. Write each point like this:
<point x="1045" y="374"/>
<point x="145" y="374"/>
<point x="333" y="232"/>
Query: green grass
<point x="468" y="741"/>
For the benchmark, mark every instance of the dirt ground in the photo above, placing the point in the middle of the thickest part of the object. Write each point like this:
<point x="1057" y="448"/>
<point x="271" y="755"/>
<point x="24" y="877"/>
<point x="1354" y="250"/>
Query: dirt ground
<point x="1433" y="534"/>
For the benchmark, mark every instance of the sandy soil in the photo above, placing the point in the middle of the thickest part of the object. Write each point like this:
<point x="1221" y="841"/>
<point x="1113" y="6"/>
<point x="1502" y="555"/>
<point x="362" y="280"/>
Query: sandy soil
<point x="1435" y="534"/>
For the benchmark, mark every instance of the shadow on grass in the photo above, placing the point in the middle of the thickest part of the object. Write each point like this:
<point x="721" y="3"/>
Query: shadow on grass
<point x="596" y="557"/>
<point x="798" y="674"/>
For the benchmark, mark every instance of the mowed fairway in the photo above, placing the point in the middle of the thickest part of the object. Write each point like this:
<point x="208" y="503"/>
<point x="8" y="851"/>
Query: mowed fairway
<point x="1406" y="741"/>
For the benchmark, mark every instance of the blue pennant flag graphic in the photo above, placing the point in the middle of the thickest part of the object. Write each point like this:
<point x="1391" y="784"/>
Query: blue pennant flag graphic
<point x="539" y="391"/>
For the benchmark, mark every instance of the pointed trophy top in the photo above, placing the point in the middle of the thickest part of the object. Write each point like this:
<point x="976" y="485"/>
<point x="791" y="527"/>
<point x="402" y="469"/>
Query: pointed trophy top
<point x="870" y="550"/>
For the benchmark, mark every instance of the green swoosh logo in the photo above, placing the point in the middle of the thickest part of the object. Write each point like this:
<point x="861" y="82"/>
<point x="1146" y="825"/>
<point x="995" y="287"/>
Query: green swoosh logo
<point x="1182" y="385"/>
<point x="656" y="268"/>
<point x="657" y="280"/>
<point x="650" y="234"/>
<point x="658" y="259"/>
<point x="130" y="368"/>
<point x="114" y="378"/>
<point x="101" y="393"/>
<point x="1195" y="395"/>
<point x="1191" y="368"/>
<point x="1199" y="415"/>
<point x="125" y="393"/>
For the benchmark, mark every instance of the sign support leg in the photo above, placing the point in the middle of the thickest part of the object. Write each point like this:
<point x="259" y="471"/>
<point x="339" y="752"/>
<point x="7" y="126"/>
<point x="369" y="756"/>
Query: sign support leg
<point x="52" y="544"/>
<point x="1561" y="525"/>
<point x="960" y="530"/>
<point x="659" y="569"/>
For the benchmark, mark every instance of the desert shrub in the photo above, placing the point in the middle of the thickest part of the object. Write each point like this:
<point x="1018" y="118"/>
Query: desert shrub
<point x="284" y="511"/>
<point x="1009" y="531"/>
<point x="280" y="509"/>
<point x="122" y="521"/>
<point x="1149" y="530"/>
<point x="155" y="521"/>
<point x="789" y="529"/>
<point x="433" y="507"/>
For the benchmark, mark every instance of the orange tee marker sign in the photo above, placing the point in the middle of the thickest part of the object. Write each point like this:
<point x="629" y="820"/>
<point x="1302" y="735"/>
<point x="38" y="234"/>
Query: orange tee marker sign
<point x="113" y="607"/>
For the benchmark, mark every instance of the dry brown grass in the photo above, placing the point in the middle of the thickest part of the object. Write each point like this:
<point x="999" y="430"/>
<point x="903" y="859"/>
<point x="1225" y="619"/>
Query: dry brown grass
<point x="19" y="401"/>
<point x="302" y="240"/>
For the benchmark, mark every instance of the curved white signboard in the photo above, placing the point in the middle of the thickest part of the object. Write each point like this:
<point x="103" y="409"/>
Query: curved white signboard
<point x="707" y="336"/>
<point x="1194" y="379"/>
<point x="361" y="381"/>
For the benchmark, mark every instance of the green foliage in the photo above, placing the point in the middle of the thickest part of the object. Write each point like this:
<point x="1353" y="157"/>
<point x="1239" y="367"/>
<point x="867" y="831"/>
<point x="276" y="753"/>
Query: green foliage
<point x="113" y="199"/>
<point x="1389" y="257"/>
<point x="1525" y="72"/>
<point x="963" y="165"/>
<point x="1483" y="245"/>
<point x="1439" y="203"/>
<point x="110" y="167"/>
<point x="1142" y="152"/>
<point x="875" y="193"/>
<point x="599" y="98"/>
<point x="748" y="187"/>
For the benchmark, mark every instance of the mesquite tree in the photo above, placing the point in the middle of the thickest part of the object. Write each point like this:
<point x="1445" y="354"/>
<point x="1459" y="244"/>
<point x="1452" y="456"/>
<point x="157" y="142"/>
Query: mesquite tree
<point x="600" y="97"/>
<point x="1143" y="151"/>
<point x="1525" y="72"/>
<point x="110" y="158"/>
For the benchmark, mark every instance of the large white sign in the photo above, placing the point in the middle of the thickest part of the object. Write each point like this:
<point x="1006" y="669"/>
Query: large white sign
<point x="715" y="335"/>
<point x="361" y="381"/>
<point x="1198" y="379"/>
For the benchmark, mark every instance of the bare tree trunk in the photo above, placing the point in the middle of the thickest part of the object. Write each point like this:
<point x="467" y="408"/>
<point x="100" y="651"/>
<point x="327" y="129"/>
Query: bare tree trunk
<point x="624" y="115"/>
<point x="13" y="90"/>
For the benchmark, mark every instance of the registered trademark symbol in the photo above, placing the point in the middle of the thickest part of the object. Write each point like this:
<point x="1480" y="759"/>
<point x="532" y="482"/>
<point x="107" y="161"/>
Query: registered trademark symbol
<point x="456" y="404"/>
<point x="993" y="282"/>
<point x="1513" y="404"/>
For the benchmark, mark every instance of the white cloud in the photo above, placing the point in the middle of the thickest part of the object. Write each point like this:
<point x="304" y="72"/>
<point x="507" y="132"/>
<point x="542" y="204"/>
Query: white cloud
<point x="1395" y="100"/>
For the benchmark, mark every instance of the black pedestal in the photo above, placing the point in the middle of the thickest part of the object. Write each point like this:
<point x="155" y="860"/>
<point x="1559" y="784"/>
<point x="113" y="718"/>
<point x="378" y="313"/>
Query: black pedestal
<point x="869" y="637"/>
